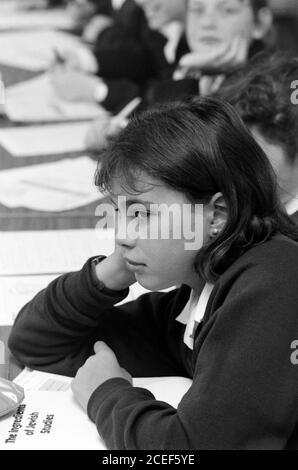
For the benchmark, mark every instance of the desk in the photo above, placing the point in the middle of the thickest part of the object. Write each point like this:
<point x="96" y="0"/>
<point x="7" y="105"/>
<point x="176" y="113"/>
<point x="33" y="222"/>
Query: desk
<point x="25" y="219"/>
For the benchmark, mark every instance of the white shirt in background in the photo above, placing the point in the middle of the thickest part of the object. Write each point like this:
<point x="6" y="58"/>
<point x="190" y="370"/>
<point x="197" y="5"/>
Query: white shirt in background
<point x="117" y="4"/>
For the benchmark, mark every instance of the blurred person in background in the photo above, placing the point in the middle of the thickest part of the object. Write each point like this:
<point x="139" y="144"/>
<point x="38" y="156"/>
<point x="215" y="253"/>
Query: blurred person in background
<point x="90" y="16"/>
<point x="127" y="56"/>
<point x="261" y="93"/>
<point x="222" y="35"/>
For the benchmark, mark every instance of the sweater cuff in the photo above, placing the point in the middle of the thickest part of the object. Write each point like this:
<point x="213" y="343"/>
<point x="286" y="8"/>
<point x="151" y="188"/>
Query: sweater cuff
<point x="90" y="284"/>
<point x="104" y="391"/>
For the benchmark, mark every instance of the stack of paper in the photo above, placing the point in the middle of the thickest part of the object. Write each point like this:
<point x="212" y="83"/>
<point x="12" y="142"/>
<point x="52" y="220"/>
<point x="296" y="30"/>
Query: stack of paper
<point x="34" y="380"/>
<point x="29" y="261"/>
<point x="51" y="187"/>
<point x="51" y="251"/>
<point x="12" y="17"/>
<point x="50" y="419"/>
<point x="17" y="291"/>
<point x="35" y="50"/>
<point x="44" y="140"/>
<point x="168" y="389"/>
<point x="36" y="101"/>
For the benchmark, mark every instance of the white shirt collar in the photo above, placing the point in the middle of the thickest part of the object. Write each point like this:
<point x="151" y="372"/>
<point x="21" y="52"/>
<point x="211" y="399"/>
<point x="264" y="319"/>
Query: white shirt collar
<point x="117" y="4"/>
<point x="193" y="313"/>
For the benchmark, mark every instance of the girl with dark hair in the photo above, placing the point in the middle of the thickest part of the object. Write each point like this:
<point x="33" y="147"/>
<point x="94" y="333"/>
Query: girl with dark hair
<point x="230" y="326"/>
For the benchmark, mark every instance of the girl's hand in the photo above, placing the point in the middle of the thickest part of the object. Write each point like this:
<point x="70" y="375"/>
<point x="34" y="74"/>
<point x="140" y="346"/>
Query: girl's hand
<point x="96" y="370"/>
<point x="113" y="271"/>
<point x="73" y="85"/>
<point x="215" y="60"/>
<point x="79" y="58"/>
<point x="97" y="133"/>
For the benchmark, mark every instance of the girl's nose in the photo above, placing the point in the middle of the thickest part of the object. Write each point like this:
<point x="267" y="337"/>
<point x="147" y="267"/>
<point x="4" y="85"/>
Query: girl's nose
<point x="208" y="20"/>
<point x="125" y="233"/>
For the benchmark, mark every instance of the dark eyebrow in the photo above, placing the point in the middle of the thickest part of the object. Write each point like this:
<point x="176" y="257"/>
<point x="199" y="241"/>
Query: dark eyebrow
<point x="136" y="201"/>
<point x="131" y="201"/>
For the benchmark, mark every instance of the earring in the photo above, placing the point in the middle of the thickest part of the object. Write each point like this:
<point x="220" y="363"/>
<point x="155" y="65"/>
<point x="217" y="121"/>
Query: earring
<point x="214" y="232"/>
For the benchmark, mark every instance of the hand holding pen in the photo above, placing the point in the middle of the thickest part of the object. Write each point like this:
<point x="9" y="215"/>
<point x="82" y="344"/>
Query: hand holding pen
<point x="101" y="129"/>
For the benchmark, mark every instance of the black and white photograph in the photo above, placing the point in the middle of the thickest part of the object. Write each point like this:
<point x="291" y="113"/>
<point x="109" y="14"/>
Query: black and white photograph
<point x="148" y="229"/>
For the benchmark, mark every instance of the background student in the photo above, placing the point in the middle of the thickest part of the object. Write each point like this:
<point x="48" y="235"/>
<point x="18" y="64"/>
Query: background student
<point x="127" y="55"/>
<point x="223" y="35"/>
<point x="261" y="93"/>
<point x="86" y="13"/>
<point x="229" y="326"/>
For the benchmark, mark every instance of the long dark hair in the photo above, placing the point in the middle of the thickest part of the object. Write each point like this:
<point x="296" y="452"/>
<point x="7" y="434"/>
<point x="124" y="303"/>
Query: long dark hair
<point x="200" y="147"/>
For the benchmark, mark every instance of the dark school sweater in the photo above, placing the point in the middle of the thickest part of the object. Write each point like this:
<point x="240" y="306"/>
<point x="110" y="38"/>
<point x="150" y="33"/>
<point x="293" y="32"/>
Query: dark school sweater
<point x="148" y="74"/>
<point x="131" y="56"/>
<point x="245" y="387"/>
<point x="137" y="67"/>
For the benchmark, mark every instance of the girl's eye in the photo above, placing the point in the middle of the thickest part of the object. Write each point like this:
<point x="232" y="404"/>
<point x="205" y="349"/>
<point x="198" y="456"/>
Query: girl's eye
<point x="142" y="215"/>
<point x="196" y="9"/>
<point x="230" y="9"/>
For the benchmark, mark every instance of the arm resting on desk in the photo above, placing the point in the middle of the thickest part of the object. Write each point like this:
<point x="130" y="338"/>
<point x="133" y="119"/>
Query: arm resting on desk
<point x="56" y="331"/>
<point x="244" y="392"/>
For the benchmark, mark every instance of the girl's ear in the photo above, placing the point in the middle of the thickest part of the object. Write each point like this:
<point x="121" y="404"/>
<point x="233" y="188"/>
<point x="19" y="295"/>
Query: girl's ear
<point x="219" y="215"/>
<point x="263" y="23"/>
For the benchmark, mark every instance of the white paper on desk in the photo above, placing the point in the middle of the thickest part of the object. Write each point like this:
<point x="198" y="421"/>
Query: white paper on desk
<point x="16" y="291"/>
<point x="66" y="418"/>
<point x="168" y="389"/>
<point x="14" y="18"/>
<point x="36" y="101"/>
<point x="43" y="381"/>
<point x="44" y="140"/>
<point x="34" y="50"/>
<point x="49" y="420"/>
<point x="51" y="251"/>
<point x="51" y="187"/>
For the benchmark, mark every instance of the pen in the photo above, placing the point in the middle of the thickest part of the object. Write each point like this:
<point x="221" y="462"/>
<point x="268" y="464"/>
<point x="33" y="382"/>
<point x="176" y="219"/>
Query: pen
<point x="121" y="118"/>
